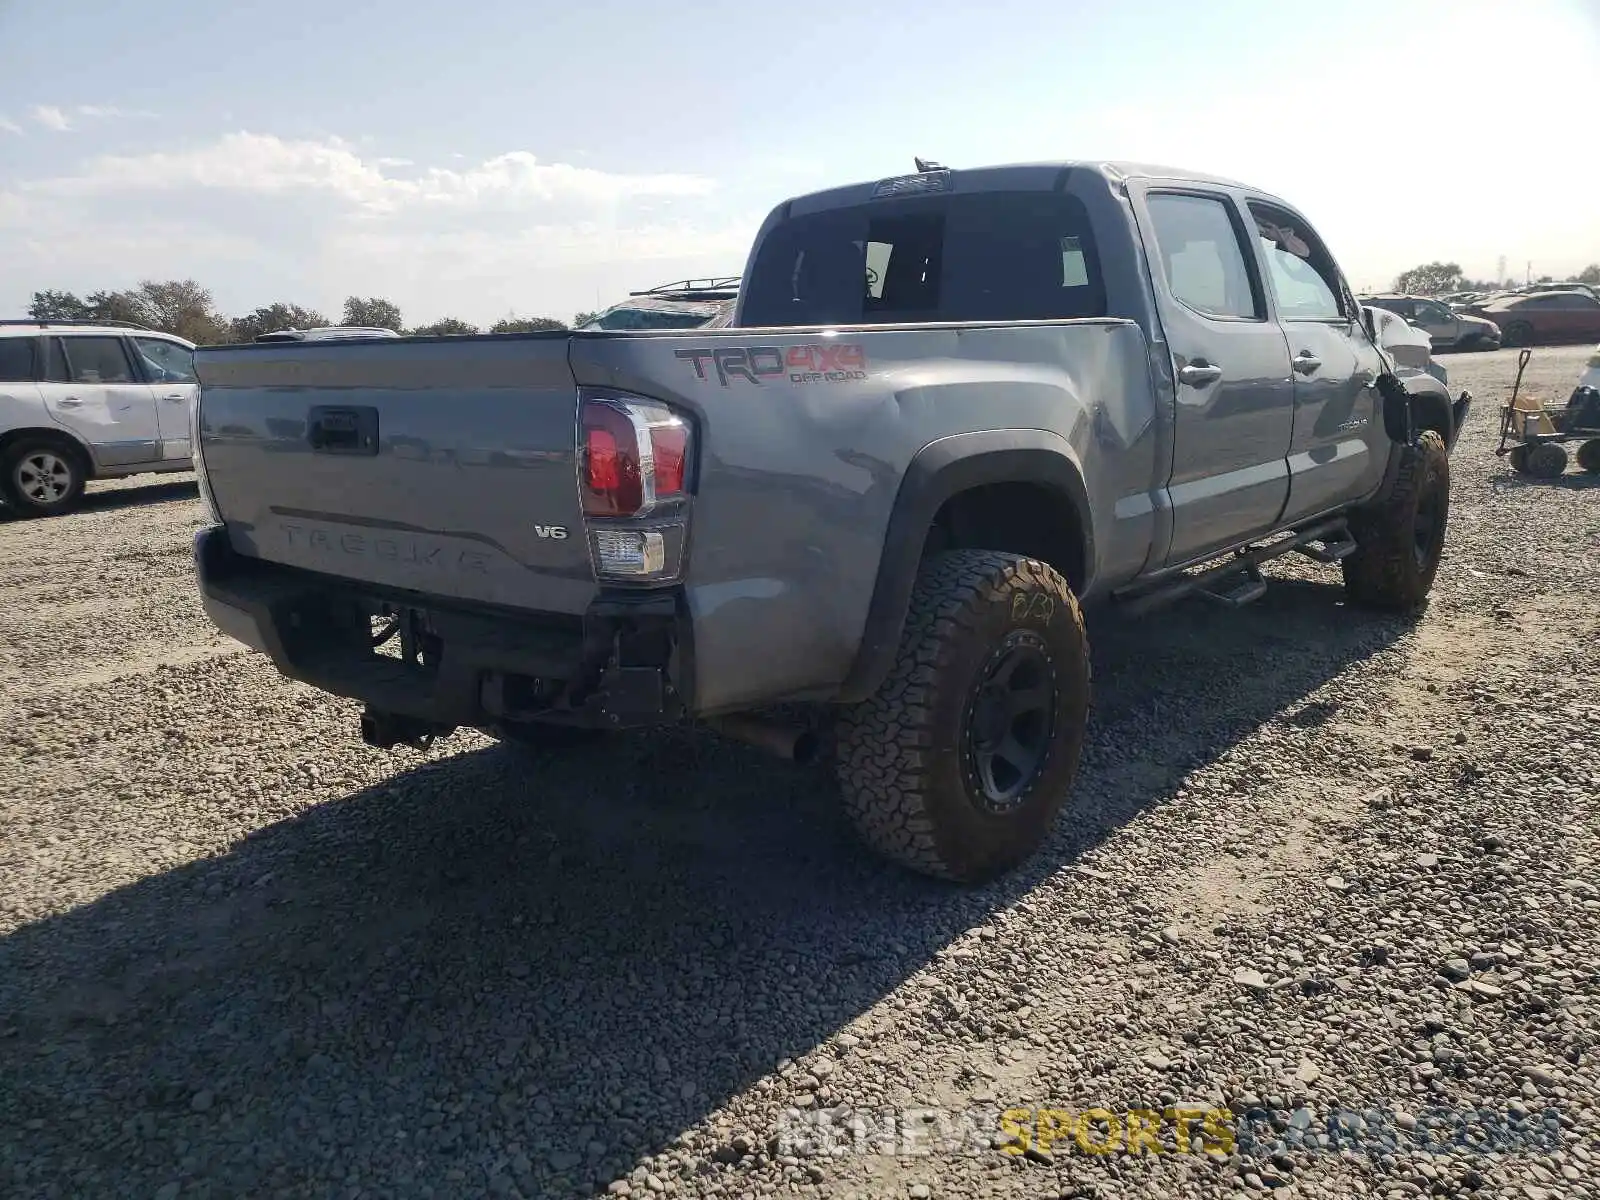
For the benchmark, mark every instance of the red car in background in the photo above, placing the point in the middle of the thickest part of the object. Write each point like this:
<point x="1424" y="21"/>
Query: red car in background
<point x="1570" y="316"/>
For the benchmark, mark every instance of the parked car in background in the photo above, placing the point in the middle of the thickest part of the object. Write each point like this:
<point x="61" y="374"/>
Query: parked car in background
<point x="1446" y="329"/>
<point x="89" y="400"/>
<point x="326" y="333"/>
<point x="687" y="304"/>
<point x="1526" y="320"/>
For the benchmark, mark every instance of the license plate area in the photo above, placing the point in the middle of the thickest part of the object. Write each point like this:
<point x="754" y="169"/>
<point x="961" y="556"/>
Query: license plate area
<point x="342" y="429"/>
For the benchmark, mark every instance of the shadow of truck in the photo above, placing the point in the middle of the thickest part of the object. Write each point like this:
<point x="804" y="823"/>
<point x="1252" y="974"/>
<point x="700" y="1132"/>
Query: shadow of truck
<point x="557" y="965"/>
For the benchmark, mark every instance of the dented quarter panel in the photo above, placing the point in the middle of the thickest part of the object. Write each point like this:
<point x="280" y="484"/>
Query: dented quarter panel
<point x="797" y="479"/>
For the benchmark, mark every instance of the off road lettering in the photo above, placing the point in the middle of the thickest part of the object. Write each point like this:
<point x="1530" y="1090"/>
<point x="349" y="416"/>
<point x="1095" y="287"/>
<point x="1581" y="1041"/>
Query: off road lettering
<point x="825" y="363"/>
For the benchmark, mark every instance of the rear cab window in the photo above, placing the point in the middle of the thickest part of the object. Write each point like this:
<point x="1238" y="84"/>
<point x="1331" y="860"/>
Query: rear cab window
<point x="961" y="257"/>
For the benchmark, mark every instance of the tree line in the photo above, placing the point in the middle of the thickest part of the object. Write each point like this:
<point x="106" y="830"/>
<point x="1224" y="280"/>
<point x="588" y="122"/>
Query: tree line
<point x="1437" y="278"/>
<point x="184" y="308"/>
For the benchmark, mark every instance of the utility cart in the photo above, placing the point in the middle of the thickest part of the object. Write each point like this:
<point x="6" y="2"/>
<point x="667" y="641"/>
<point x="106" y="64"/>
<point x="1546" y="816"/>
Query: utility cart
<point x="1534" y="436"/>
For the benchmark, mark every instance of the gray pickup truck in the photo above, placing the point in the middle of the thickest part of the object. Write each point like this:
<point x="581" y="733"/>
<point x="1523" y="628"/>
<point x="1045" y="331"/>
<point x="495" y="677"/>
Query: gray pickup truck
<point x="953" y="409"/>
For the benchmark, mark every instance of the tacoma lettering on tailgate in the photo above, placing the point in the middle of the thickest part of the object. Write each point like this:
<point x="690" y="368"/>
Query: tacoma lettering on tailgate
<point x="386" y="548"/>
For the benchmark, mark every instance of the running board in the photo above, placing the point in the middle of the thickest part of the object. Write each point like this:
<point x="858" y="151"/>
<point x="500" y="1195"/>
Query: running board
<point x="1247" y="589"/>
<point x="1236" y="581"/>
<point x="1331" y="549"/>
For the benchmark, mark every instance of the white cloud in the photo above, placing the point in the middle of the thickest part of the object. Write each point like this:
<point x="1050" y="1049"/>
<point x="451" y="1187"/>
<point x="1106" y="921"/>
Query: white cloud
<point x="61" y="120"/>
<point x="9" y="126"/>
<point x="268" y="165"/>
<point x="51" y="117"/>
<point x="259" y="218"/>
<point x="106" y="110"/>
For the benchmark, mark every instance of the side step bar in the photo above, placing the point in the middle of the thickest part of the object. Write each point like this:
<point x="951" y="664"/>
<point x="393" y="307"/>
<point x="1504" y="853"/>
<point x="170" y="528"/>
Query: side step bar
<point x="1237" y="580"/>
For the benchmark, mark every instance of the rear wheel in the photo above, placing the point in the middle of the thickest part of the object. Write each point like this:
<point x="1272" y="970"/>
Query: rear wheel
<point x="1399" y="544"/>
<point x="1589" y="456"/>
<point x="40" y="477"/>
<point x="961" y="762"/>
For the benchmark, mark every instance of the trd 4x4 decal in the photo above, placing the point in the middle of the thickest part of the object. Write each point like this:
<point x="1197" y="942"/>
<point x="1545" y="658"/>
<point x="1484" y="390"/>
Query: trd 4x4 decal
<point x="824" y="363"/>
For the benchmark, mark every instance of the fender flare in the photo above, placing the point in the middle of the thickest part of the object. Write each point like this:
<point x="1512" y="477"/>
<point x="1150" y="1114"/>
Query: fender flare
<point x="940" y="470"/>
<point x="1433" y="406"/>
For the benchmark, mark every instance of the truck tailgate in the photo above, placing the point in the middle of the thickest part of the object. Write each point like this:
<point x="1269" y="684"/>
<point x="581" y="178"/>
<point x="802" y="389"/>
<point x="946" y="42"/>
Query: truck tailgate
<point x="443" y="465"/>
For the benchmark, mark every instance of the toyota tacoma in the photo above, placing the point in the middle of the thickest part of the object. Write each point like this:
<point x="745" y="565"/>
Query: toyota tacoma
<point x="952" y="410"/>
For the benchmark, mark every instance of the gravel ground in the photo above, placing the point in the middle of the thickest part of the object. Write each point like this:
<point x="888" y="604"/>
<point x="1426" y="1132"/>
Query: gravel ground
<point x="1319" y="863"/>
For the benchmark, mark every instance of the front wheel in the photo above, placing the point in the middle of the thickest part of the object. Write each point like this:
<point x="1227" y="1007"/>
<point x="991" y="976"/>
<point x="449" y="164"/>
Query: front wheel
<point x="1399" y="543"/>
<point x="958" y="766"/>
<point x="40" y="478"/>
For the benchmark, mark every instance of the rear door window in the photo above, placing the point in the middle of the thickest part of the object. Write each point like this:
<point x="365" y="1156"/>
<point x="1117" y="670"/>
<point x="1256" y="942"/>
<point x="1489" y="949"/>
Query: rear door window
<point x="1202" y="256"/>
<point x="94" y="360"/>
<point x="986" y="256"/>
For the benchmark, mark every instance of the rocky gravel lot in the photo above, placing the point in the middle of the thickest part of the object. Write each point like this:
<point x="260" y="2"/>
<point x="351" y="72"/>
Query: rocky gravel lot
<point x="1320" y="864"/>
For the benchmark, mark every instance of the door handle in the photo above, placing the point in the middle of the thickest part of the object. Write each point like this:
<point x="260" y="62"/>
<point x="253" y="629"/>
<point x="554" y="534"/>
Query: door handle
<point x="1199" y="373"/>
<point x="174" y="396"/>
<point x="1307" y="363"/>
<point x="70" y="402"/>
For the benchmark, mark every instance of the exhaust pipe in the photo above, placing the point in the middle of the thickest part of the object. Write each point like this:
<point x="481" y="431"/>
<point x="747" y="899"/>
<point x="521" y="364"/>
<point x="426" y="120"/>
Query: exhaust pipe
<point x="791" y="742"/>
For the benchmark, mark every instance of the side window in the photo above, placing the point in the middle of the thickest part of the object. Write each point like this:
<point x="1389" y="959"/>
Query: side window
<point x="1438" y="314"/>
<point x="166" y="362"/>
<point x="16" y="359"/>
<point x="1303" y="274"/>
<point x="1202" y="257"/>
<point x="96" y="360"/>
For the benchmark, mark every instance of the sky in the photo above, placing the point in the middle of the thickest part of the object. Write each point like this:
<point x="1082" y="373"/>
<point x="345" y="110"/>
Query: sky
<point x="495" y="157"/>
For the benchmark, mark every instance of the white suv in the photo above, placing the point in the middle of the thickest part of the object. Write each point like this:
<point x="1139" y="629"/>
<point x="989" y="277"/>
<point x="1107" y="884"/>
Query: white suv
<point x="82" y="401"/>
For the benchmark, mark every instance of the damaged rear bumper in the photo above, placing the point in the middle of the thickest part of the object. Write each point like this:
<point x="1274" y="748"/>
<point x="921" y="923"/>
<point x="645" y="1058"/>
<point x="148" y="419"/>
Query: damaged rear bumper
<point x="624" y="662"/>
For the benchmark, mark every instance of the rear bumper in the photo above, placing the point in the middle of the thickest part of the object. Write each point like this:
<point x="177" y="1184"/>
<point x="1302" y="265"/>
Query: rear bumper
<point x="625" y="662"/>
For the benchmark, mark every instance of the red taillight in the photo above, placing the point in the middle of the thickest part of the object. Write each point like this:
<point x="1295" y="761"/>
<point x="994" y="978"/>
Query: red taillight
<point x="670" y="444"/>
<point x="634" y="456"/>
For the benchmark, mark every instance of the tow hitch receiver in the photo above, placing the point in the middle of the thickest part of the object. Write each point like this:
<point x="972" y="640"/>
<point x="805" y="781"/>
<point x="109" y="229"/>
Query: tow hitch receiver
<point x="386" y="730"/>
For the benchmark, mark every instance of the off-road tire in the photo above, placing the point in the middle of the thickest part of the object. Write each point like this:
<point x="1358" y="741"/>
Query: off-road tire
<point x="902" y="754"/>
<point x="1589" y="456"/>
<point x="18" y="454"/>
<point x="1547" y="460"/>
<point x="1518" y="457"/>
<point x="1400" y="542"/>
